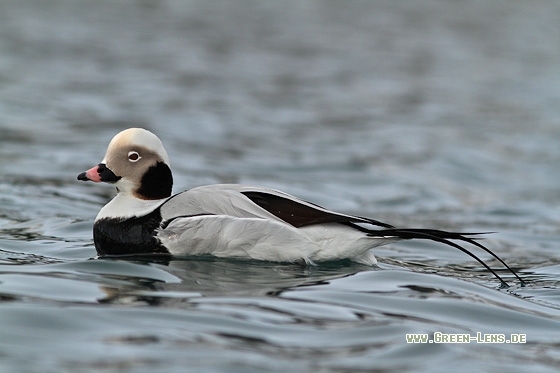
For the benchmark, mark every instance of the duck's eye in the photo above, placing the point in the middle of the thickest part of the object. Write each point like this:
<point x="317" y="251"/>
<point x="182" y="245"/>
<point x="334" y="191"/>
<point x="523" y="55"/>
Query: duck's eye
<point x="133" y="156"/>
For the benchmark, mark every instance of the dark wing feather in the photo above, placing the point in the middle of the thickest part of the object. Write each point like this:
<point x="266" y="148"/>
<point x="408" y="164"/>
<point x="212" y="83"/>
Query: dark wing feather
<point x="301" y="214"/>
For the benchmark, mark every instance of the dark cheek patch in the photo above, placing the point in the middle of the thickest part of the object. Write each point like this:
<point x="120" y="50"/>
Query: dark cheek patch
<point x="156" y="183"/>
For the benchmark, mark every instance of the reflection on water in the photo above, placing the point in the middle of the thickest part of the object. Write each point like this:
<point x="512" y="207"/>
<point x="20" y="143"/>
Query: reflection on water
<point x="207" y="277"/>
<point x="340" y="313"/>
<point x="425" y="114"/>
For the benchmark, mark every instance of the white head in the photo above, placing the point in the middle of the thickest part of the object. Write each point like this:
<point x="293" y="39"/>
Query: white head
<point x="137" y="163"/>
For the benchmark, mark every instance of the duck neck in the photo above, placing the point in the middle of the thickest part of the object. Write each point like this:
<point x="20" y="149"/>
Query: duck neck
<point x="125" y="205"/>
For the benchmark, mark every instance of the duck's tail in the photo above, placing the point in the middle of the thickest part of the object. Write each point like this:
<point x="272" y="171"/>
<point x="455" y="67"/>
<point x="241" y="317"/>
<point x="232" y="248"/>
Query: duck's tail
<point x="445" y="237"/>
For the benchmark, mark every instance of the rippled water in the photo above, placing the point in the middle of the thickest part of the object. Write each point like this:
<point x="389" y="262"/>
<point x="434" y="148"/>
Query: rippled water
<point x="426" y="114"/>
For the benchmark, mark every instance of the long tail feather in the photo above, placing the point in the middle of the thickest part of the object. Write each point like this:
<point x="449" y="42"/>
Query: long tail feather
<point x="444" y="237"/>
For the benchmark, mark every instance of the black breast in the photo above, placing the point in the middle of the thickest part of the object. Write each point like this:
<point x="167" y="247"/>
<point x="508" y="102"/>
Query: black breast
<point x="136" y="235"/>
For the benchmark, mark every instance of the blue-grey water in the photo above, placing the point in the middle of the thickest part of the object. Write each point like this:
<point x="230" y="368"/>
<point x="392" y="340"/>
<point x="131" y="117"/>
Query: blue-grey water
<point x="440" y="114"/>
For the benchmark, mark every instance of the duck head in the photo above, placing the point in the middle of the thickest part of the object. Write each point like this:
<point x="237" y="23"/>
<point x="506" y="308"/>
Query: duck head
<point x="136" y="163"/>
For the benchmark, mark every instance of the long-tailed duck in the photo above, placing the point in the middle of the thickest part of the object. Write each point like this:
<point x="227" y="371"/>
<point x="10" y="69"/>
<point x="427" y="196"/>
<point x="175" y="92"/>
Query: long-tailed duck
<point x="229" y="220"/>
